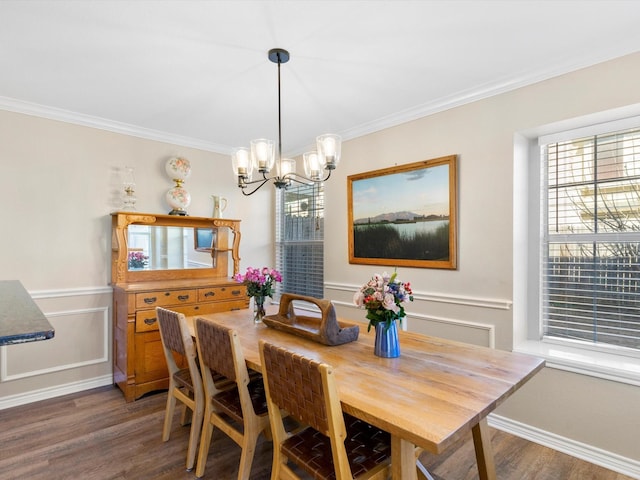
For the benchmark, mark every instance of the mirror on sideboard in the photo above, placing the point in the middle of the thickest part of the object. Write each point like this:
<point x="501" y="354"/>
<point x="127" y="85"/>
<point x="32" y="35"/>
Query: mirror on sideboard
<point x="155" y="247"/>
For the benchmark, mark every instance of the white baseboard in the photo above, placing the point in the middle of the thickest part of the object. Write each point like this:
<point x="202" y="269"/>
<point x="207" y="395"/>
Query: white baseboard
<point x="52" y="392"/>
<point x="597" y="456"/>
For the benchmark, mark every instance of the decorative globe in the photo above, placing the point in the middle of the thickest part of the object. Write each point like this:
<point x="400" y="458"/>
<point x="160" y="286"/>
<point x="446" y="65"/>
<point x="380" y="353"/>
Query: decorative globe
<point x="178" y="168"/>
<point x="179" y="199"/>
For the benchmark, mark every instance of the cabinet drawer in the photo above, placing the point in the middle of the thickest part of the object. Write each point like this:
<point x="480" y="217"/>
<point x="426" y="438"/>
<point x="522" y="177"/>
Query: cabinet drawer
<point x="147" y="321"/>
<point x="213" y="307"/>
<point x="164" y="298"/>
<point x="213" y="294"/>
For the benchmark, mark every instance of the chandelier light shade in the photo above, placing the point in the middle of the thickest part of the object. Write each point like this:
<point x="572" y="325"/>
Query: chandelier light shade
<point x="241" y="162"/>
<point x="263" y="156"/>
<point x="312" y="166"/>
<point x="263" y="153"/>
<point x="329" y="150"/>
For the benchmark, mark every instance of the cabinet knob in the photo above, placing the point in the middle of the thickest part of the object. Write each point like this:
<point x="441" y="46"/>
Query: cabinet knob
<point x="210" y="294"/>
<point x="183" y="298"/>
<point x="150" y="321"/>
<point x="150" y="300"/>
<point x="236" y="292"/>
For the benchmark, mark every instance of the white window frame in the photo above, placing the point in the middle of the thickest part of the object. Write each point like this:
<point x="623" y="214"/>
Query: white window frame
<point x="606" y="362"/>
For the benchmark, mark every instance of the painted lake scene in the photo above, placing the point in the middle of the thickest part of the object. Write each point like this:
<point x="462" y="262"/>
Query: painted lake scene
<point x="404" y="215"/>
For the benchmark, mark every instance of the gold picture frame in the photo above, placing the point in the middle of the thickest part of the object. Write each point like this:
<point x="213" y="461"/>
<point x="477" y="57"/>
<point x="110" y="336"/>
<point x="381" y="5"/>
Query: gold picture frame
<point x="405" y="215"/>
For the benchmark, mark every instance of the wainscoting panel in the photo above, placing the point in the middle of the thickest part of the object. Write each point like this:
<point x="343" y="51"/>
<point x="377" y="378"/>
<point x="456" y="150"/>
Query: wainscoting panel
<point x="75" y="344"/>
<point x="481" y="334"/>
<point x="77" y="358"/>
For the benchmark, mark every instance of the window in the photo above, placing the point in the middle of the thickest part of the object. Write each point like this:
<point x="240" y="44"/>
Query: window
<point x="591" y="240"/>
<point x="300" y="240"/>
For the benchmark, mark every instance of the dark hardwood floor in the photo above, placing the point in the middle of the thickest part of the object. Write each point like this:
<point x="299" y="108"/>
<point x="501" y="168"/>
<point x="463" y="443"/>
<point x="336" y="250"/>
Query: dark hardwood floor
<point x="96" y="435"/>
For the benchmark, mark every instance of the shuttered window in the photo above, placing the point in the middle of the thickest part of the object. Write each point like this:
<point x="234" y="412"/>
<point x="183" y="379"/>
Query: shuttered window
<point x="591" y="239"/>
<point x="300" y="240"/>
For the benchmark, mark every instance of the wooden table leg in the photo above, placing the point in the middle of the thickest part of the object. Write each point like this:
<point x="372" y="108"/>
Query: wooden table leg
<point x="484" y="452"/>
<point x="403" y="459"/>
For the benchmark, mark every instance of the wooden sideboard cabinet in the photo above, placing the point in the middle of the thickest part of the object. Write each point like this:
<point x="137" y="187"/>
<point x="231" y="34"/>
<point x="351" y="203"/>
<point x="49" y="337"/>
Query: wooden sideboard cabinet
<point x="179" y="273"/>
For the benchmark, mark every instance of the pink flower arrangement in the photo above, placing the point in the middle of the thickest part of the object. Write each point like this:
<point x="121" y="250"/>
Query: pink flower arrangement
<point x="137" y="260"/>
<point x="259" y="282"/>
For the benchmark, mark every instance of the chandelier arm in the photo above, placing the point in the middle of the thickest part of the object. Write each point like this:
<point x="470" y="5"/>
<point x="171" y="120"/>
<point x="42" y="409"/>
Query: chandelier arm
<point x="261" y="183"/>
<point x="304" y="179"/>
<point x="264" y="179"/>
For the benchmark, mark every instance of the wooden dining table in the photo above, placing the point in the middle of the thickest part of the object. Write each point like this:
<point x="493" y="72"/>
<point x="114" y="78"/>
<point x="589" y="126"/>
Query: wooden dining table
<point x="436" y="392"/>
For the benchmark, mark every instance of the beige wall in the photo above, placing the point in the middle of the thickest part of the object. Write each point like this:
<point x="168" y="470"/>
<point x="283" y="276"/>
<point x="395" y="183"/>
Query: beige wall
<point x="62" y="180"/>
<point x="474" y="303"/>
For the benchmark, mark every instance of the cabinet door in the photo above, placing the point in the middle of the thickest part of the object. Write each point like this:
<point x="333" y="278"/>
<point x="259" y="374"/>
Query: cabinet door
<point x="150" y="363"/>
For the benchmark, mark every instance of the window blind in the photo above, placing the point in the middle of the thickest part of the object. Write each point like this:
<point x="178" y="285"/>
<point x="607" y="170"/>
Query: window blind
<point x="591" y="239"/>
<point x="300" y="240"/>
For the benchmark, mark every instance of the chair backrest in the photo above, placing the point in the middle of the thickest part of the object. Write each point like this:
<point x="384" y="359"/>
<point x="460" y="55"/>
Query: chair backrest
<point x="307" y="391"/>
<point x="301" y="387"/>
<point x="176" y="337"/>
<point x="169" y="323"/>
<point x="216" y="349"/>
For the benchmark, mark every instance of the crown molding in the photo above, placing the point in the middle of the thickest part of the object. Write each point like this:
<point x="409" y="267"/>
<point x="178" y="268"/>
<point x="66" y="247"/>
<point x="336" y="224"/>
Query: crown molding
<point x="67" y="116"/>
<point x="480" y="92"/>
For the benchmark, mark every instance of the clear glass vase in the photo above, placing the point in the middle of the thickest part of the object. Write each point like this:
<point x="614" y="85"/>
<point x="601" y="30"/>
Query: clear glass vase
<point x="258" y="308"/>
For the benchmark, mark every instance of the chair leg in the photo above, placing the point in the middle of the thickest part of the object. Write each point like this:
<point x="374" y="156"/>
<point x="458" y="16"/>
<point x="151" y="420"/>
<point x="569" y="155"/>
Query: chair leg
<point x="185" y="418"/>
<point x="194" y="436"/>
<point x="205" y="443"/>
<point x="249" y="441"/>
<point x="186" y="413"/>
<point x="168" y="414"/>
<point x="276" y="464"/>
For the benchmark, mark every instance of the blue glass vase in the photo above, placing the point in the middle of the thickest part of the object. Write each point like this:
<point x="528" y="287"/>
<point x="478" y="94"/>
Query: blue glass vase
<point x="387" y="344"/>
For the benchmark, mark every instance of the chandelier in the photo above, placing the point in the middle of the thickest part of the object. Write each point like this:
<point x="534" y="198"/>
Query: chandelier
<point x="262" y="155"/>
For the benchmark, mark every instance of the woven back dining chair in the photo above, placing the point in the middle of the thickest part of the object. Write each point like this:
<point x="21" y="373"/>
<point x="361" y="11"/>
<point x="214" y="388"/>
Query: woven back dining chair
<point x="241" y="411"/>
<point x="185" y="384"/>
<point x="335" y="445"/>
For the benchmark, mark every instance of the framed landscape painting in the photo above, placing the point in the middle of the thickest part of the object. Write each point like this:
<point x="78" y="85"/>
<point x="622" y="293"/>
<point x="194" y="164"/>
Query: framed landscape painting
<point x="404" y="215"/>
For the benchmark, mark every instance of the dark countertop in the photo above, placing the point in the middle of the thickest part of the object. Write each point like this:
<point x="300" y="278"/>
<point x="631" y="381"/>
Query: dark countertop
<point x="20" y="318"/>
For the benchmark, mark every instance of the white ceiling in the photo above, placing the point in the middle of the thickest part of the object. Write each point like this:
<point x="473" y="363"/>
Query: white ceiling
<point x="196" y="72"/>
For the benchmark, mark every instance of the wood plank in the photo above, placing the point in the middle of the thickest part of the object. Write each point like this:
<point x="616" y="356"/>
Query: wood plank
<point x="96" y="434"/>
